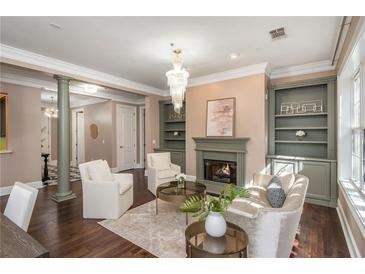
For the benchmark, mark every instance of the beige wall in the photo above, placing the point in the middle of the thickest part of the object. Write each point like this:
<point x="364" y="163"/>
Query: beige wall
<point x="152" y="122"/>
<point x="100" y="114"/>
<point x="250" y="117"/>
<point x="356" y="233"/>
<point x="24" y="136"/>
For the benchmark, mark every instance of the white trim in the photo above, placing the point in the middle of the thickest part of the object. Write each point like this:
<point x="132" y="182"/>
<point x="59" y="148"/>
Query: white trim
<point x="117" y="110"/>
<point x="52" y="86"/>
<point x="350" y="241"/>
<point x="229" y="74"/>
<point x="141" y="137"/>
<point x="17" y="56"/>
<point x="302" y="69"/>
<point x="115" y="169"/>
<point x="191" y="178"/>
<point x="5" y="190"/>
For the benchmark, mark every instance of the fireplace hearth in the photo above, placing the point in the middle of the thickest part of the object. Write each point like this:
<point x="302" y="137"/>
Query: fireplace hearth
<point x="220" y="171"/>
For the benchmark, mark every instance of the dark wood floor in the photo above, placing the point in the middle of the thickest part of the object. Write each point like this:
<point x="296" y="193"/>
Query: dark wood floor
<point x="63" y="231"/>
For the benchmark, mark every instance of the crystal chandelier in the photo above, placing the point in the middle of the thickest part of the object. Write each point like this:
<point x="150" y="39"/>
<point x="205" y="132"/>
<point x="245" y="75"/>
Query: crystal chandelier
<point x="51" y="112"/>
<point x="177" y="80"/>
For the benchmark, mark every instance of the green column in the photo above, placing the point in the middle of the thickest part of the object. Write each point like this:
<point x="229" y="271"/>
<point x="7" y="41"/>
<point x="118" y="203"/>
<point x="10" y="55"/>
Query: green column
<point x="63" y="143"/>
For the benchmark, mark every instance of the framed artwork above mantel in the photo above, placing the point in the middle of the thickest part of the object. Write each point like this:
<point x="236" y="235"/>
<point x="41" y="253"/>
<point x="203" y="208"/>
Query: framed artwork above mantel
<point x="221" y="117"/>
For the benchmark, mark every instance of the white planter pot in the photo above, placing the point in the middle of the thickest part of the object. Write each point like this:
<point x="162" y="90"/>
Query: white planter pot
<point x="215" y="224"/>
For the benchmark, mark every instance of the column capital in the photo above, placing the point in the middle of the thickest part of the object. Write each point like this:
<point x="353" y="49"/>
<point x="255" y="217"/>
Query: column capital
<point x="62" y="77"/>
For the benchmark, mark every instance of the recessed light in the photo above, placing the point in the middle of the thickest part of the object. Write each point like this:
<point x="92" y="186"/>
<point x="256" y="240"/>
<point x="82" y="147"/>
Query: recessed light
<point x="234" y="55"/>
<point x="54" y="25"/>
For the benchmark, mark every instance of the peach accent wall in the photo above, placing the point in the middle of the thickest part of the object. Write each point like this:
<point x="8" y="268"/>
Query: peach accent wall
<point x="250" y="117"/>
<point x="152" y="122"/>
<point x="23" y="164"/>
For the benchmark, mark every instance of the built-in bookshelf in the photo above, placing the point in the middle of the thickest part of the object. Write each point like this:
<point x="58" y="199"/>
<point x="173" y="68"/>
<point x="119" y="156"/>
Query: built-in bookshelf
<point x="172" y="133"/>
<point x="314" y="153"/>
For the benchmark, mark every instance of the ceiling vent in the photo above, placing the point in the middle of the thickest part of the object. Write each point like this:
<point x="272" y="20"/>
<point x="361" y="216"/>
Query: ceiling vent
<point x="277" y="34"/>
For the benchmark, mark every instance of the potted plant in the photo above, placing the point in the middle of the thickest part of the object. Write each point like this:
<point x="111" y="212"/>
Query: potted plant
<point x="211" y="209"/>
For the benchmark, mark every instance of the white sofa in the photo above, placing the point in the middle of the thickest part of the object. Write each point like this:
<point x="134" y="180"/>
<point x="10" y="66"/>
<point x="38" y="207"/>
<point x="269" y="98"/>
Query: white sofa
<point x="160" y="170"/>
<point x="105" y="195"/>
<point x="271" y="231"/>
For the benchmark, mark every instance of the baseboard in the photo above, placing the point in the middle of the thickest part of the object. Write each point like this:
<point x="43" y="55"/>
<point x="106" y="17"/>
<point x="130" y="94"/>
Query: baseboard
<point x="191" y="178"/>
<point x="5" y="190"/>
<point x="115" y="169"/>
<point x="350" y="241"/>
<point x="138" y="166"/>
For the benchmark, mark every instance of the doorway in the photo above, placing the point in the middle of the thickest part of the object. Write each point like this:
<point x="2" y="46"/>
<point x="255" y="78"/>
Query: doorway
<point x="126" y="137"/>
<point x="78" y="137"/>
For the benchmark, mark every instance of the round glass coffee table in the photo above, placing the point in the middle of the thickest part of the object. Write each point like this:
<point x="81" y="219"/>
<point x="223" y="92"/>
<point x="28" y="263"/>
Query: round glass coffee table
<point x="172" y="192"/>
<point x="200" y="245"/>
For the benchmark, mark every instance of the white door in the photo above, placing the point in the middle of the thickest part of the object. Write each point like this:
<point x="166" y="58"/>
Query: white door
<point x="126" y="137"/>
<point x="80" y="138"/>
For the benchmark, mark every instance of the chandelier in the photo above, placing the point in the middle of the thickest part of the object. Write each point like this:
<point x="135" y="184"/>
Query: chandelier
<point x="177" y="80"/>
<point x="51" y="112"/>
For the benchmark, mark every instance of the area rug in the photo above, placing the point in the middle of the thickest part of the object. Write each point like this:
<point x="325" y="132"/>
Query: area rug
<point x="162" y="235"/>
<point x="52" y="174"/>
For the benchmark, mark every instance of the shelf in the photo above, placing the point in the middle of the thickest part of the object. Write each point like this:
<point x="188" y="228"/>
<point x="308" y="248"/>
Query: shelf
<point x="300" y="142"/>
<point x="173" y="130"/>
<point x="174" y="139"/>
<point x="301" y="115"/>
<point x="298" y="128"/>
<point x="175" y="121"/>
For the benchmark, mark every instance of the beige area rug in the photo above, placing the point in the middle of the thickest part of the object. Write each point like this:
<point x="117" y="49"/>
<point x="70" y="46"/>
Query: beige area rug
<point x="162" y="235"/>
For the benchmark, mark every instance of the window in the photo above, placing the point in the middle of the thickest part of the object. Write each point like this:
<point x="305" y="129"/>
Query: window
<point x="358" y="134"/>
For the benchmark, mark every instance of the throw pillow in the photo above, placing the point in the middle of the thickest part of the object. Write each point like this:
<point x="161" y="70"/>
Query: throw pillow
<point x="100" y="172"/>
<point x="287" y="181"/>
<point x="275" y="193"/>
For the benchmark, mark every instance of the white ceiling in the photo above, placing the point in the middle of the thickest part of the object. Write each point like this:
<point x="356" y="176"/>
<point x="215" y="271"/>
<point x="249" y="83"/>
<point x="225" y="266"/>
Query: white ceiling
<point x="138" y="48"/>
<point x="78" y="95"/>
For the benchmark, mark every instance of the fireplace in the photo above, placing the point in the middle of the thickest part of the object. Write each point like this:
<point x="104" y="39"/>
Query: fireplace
<point x="220" y="171"/>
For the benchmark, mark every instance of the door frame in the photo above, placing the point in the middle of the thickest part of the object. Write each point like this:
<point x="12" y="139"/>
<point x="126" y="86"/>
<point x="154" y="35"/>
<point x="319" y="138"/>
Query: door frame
<point x="141" y="136"/>
<point x="117" y="110"/>
<point x="74" y="122"/>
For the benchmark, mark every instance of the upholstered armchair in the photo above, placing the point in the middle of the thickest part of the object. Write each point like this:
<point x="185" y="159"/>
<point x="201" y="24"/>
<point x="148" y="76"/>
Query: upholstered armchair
<point x="160" y="170"/>
<point x="271" y="231"/>
<point x="105" y="195"/>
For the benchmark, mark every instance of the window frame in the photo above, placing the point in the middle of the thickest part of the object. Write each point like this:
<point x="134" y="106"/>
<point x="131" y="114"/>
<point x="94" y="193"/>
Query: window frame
<point x="359" y="130"/>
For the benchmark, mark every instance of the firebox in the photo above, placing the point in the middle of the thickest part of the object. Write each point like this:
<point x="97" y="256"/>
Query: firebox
<point x="220" y="171"/>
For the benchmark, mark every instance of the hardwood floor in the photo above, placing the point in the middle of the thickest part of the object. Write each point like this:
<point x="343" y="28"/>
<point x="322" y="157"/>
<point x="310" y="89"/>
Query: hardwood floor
<point x="63" y="231"/>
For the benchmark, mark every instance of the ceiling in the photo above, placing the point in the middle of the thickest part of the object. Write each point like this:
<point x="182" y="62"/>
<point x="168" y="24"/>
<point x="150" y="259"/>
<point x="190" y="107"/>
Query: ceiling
<point x="138" y="48"/>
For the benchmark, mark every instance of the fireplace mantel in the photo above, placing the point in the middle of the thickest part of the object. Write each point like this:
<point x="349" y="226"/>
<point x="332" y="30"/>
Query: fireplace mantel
<point x="220" y="148"/>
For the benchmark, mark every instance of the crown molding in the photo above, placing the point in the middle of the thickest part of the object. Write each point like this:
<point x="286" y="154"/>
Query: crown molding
<point x="52" y="86"/>
<point x="33" y="60"/>
<point x="229" y="74"/>
<point x="302" y="69"/>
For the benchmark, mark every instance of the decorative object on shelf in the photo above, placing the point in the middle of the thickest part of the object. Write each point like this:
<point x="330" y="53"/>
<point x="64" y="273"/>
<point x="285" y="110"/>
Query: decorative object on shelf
<point x="220" y="117"/>
<point x="300" y="134"/>
<point x="313" y="106"/>
<point x="177" y="80"/>
<point x="212" y="208"/>
<point x="181" y="180"/>
<point x="52" y="111"/>
<point x="177" y="116"/>
<point x="176" y="133"/>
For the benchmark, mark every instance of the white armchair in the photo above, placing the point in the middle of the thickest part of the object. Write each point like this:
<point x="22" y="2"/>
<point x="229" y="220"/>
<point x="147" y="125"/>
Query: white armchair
<point x="160" y="170"/>
<point x="105" y="195"/>
<point x="271" y="231"/>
